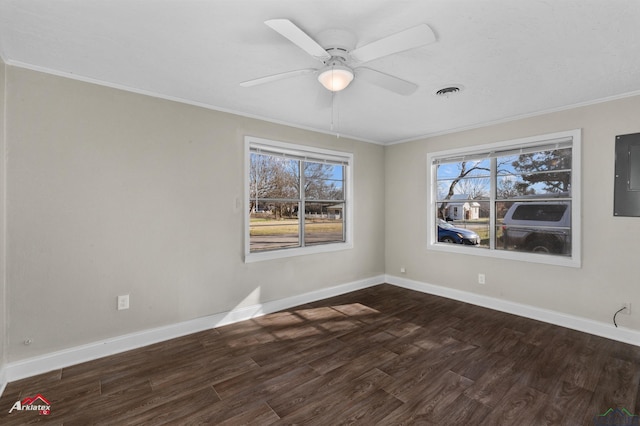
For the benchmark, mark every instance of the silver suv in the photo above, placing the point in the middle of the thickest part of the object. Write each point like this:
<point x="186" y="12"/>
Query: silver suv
<point x="538" y="226"/>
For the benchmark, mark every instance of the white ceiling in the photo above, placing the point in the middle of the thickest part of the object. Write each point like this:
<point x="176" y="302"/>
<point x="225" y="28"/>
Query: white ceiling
<point x="513" y="57"/>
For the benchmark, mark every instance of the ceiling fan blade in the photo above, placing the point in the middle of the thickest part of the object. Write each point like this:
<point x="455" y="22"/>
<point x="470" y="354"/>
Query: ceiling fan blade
<point x="404" y="40"/>
<point x="291" y="31"/>
<point x="386" y="81"/>
<point x="276" y="77"/>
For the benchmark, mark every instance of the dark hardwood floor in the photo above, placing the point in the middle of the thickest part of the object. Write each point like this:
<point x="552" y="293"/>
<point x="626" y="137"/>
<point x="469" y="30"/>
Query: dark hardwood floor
<point x="382" y="355"/>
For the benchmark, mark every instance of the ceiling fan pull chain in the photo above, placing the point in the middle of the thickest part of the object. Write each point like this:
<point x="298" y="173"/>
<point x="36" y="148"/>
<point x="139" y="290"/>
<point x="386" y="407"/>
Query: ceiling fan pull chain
<point x="335" y="114"/>
<point x="333" y="103"/>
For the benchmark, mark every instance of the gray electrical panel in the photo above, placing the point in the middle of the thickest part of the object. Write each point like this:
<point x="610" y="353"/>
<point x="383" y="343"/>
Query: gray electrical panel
<point x="626" y="195"/>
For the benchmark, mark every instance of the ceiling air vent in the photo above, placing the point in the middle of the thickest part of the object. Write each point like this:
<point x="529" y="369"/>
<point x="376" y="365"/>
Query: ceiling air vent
<point x="447" y="91"/>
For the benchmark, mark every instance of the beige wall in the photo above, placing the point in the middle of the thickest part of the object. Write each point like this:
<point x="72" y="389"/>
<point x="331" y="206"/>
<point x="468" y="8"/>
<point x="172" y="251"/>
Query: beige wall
<point x="111" y="193"/>
<point x="609" y="244"/>
<point x="3" y="307"/>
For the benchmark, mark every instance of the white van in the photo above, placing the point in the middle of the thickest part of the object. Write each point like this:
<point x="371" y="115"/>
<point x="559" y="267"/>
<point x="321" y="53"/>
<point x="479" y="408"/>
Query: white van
<point x="538" y="226"/>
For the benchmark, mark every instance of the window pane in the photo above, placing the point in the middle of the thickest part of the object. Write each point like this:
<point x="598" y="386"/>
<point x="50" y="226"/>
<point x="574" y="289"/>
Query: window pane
<point x="534" y="226"/>
<point x="481" y="225"/>
<point x="466" y="180"/>
<point x="466" y="223"/>
<point x="323" y="181"/>
<point x="464" y="190"/>
<point x="443" y="188"/>
<point x="462" y="208"/>
<point x="542" y="172"/>
<point x="324" y="223"/>
<point x="273" y="177"/>
<point x="545" y="183"/>
<point x="274" y="226"/>
<point x="480" y="168"/>
<point x="450" y="232"/>
<point x="557" y="159"/>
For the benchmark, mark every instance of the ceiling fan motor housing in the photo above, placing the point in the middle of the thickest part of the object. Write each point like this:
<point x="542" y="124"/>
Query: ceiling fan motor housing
<point x="337" y="43"/>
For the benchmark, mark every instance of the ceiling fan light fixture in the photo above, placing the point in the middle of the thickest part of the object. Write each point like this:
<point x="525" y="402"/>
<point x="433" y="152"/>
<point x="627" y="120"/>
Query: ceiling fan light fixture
<point x="335" y="77"/>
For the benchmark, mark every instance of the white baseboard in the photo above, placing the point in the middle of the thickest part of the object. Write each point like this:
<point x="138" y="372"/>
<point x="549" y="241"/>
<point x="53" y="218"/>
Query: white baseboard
<point x="52" y="361"/>
<point x="585" y="325"/>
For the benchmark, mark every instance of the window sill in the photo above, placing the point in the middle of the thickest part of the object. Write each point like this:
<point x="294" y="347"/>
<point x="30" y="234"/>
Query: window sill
<point x="293" y="252"/>
<point x="569" y="261"/>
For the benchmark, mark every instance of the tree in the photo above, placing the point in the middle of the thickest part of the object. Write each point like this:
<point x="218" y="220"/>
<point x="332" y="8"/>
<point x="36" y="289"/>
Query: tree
<point x="317" y="183"/>
<point x="271" y="177"/>
<point x="474" y="187"/>
<point x="276" y="178"/>
<point x="546" y="167"/>
<point x="464" y="169"/>
<point x="511" y="188"/>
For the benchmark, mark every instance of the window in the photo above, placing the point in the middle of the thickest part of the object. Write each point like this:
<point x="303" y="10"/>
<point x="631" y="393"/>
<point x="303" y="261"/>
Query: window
<point x="297" y="198"/>
<point x="517" y="199"/>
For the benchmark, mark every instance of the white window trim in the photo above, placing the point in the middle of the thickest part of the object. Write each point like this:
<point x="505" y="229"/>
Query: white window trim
<point x="300" y="150"/>
<point x="575" y="260"/>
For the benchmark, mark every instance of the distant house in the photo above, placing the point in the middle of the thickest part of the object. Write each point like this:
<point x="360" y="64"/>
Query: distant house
<point x="335" y="211"/>
<point x="462" y="207"/>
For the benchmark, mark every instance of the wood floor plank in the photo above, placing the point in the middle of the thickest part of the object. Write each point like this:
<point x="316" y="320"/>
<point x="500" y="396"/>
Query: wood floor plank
<point x="417" y="372"/>
<point x="333" y="382"/>
<point x="300" y="352"/>
<point x="431" y="400"/>
<point x="260" y="415"/>
<point x="519" y="406"/>
<point x="351" y="392"/>
<point x="493" y="385"/>
<point x="165" y="410"/>
<point x="588" y="357"/>
<point x="199" y="374"/>
<point x="617" y="385"/>
<point x="368" y="410"/>
<point x="463" y="411"/>
<point x="380" y="355"/>
<point x="477" y="363"/>
<point x="567" y="405"/>
<point x="264" y="383"/>
<point x="336" y="359"/>
<point x="221" y="411"/>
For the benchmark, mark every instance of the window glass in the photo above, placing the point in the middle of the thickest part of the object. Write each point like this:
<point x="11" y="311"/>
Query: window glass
<point x="323" y="181"/>
<point x="324" y="223"/>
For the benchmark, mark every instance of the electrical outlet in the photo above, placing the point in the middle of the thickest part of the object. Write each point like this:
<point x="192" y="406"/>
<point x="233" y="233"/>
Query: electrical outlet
<point x="123" y="302"/>
<point x="481" y="279"/>
<point x="403" y="270"/>
<point x="627" y="308"/>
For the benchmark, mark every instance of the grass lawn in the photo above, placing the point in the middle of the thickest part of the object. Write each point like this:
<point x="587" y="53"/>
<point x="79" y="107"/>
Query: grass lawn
<point x="290" y="226"/>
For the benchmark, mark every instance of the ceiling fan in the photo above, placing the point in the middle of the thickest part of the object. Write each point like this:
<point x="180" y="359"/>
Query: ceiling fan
<point x="341" y="60"/>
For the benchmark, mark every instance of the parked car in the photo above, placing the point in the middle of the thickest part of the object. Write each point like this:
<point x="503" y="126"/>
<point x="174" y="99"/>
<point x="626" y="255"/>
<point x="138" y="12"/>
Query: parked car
<point x="540" y="226"/>
<point x="447" y="233"/>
